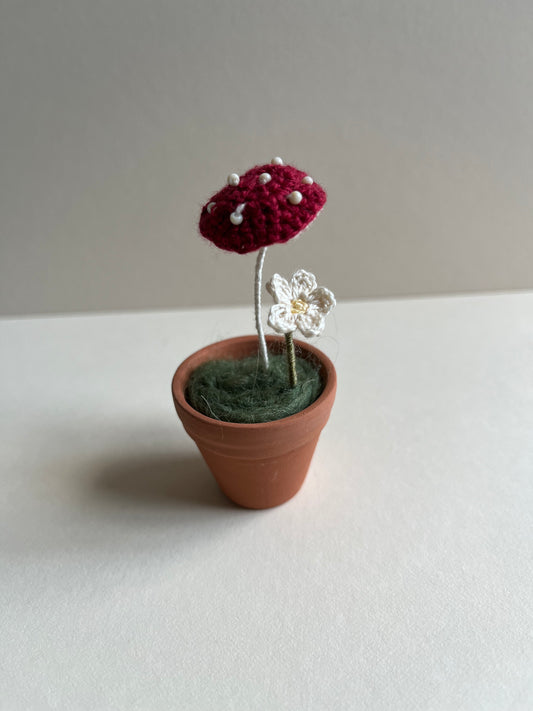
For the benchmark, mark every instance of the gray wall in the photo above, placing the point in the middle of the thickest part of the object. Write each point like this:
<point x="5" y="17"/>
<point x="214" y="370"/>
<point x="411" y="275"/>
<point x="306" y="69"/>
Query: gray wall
<point x="118" y="119"/>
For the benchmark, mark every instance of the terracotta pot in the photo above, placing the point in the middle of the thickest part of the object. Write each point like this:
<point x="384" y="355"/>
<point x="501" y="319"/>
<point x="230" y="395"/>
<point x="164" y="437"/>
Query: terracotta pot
<point x="264" y="464"/>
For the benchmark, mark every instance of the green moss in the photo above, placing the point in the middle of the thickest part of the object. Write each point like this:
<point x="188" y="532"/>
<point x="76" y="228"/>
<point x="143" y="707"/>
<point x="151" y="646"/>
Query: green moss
<point x="241" y="391"/>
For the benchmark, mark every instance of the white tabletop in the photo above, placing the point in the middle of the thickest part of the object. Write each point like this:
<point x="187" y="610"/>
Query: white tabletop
<point x="400" y="577"/>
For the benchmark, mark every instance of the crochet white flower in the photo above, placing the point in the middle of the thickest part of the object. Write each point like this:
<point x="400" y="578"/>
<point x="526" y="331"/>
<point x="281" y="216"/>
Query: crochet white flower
<point x="299" y="305"/>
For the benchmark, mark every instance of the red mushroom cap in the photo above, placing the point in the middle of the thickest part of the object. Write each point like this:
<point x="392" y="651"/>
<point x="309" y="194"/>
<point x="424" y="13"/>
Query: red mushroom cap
<point x="269" y="204"/>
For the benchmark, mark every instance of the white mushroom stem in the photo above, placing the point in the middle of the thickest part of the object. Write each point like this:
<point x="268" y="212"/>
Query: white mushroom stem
<point x="258" y="324"/>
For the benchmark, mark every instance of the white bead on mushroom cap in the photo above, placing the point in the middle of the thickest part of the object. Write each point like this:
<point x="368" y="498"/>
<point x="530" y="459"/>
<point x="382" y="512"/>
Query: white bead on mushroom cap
<point x="295" y="198"/>
<point x="236" y="216"/>
<point x="233" y="179"/>
<point x="210" y="207"/>
<point x="277" y="161"/>
<point x="265" y="178"/>
<point x="308" y="180"/>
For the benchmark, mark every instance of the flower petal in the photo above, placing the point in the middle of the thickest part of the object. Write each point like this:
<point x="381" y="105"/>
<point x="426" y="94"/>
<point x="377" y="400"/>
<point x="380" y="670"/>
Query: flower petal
<point x="279" y="288"/>
<point x="281" y="318"/>
<point x="302" y="284"/>
<point x="323" y="299"/>
<point x="311" y="323"/>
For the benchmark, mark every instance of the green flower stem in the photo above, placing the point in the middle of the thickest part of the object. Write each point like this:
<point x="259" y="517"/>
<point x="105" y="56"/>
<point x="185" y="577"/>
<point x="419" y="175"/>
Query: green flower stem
<point x="291" y="359"/>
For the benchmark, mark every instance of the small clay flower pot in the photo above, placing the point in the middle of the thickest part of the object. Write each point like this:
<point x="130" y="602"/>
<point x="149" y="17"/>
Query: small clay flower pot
<point x="263" y="464"/>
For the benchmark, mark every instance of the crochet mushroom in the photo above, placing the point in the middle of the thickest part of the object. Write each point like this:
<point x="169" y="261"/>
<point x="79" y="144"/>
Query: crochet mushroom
<point x="269" y="204"/>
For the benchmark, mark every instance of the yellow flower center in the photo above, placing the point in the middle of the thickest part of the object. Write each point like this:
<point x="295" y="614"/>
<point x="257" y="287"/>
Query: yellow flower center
<point x="298" y="306"/>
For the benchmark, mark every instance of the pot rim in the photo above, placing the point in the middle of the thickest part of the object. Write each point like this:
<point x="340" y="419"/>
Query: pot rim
<point x="327" y="371"/>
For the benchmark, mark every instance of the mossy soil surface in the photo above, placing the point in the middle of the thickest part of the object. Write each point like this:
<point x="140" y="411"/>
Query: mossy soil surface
<point x="242" y="391"/>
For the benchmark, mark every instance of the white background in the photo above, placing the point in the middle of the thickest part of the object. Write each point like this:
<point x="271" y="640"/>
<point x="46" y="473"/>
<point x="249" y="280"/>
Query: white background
<point x="398" y="579"/>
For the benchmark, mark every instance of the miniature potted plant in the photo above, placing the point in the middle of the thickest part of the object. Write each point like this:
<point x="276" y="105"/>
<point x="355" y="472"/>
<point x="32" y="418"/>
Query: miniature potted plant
<point x="255" y="405"/>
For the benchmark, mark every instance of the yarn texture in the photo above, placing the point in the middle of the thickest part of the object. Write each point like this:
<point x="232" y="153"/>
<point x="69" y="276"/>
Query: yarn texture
<point x="242" y="391"/>
<point x="258" y="212"/>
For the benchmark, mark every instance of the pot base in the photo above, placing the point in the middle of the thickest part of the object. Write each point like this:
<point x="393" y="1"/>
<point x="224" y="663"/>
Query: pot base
<point x="261" y="484"/>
